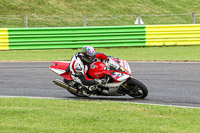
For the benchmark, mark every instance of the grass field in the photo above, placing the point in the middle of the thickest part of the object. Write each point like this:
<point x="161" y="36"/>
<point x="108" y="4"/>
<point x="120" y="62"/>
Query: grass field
<point x="65" y="13"/>
<point x="19" y="115"/>
<point x="172" y="53"/>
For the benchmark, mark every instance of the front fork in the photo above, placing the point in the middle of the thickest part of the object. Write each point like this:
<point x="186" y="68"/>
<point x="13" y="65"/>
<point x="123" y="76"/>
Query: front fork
<point x="125" y="86"/>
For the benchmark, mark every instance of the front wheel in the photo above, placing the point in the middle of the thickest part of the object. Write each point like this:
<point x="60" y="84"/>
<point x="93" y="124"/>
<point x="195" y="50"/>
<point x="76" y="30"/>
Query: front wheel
<point x="136" y="89"/>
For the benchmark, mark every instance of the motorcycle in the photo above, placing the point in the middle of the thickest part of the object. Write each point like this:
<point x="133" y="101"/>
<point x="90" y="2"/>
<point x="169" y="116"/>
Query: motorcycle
<point x="117" y="74"/>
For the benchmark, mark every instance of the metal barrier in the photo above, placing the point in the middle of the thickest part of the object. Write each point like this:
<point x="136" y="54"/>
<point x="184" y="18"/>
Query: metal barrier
<point x="102" y="36"/>
<point x="4" y="45"/>
<point x="161" y="35"/>
<point x="76" y="37"/>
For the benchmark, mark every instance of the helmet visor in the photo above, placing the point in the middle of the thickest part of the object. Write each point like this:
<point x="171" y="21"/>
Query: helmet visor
<point x="89" y="59"/>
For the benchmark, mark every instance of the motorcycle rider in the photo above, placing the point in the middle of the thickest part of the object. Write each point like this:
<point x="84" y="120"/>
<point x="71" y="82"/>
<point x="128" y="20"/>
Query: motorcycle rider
<point x="79" y="65"/>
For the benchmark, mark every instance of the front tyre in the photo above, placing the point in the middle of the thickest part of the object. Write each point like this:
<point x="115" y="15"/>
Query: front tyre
<point x="136" y="89"/>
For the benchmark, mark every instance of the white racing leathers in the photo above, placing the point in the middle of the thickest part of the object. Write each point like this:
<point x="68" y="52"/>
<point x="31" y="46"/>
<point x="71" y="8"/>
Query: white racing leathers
<point x="79" y="69"/>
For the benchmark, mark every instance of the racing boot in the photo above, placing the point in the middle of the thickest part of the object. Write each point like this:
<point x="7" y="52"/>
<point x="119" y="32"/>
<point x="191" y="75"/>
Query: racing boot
<point x="86" y="91"/>
<point x="105" y="91"/>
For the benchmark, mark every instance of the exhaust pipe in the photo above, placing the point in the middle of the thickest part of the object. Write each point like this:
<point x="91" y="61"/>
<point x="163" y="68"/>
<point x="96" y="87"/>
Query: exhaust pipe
<point x="64" y="85"/>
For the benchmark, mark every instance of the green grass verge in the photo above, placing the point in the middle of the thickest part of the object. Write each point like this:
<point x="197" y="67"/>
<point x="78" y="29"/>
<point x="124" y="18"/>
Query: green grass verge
<point x="49" y="115"/>
<point x="175" y="53"/>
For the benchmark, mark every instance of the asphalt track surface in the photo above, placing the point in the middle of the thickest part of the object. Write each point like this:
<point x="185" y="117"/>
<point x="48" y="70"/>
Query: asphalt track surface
<point x="169" y="83"/>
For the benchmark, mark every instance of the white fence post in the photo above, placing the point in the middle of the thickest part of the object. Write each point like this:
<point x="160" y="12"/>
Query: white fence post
<point x="26" y="21"/>
<point x="84" y="20"/>
<point x="193" y="18"/>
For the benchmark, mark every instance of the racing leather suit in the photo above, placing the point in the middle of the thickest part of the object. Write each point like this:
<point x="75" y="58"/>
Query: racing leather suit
<point x="79" y="69"/>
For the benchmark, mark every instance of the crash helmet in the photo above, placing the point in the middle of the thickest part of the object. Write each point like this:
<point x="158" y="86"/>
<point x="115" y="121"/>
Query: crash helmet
<point x="89" y="54"/>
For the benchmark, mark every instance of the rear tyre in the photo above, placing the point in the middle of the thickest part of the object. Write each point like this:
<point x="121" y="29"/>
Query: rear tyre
<point x="136" y="89"/>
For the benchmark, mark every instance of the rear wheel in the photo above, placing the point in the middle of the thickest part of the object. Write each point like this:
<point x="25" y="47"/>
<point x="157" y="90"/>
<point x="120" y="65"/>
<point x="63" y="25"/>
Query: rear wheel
<point x="136" y="89"/>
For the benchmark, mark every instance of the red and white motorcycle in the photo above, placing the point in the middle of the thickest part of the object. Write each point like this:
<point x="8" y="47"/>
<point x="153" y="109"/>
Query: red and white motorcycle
<point x="116" y="72"/>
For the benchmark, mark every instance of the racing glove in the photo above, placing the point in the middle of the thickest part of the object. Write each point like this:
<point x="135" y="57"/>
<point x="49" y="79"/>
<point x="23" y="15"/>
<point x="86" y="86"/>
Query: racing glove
<point x="100" y="81"/>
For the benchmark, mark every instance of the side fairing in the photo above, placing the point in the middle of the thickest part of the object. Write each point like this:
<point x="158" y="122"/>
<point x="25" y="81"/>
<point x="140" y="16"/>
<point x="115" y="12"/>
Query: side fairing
<point x="59" y="67"/>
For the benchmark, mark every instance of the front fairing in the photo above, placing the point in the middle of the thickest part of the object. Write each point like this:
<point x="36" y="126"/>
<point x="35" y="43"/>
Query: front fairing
<point x="119" y="70"/>
<point x="121" y="66"/>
